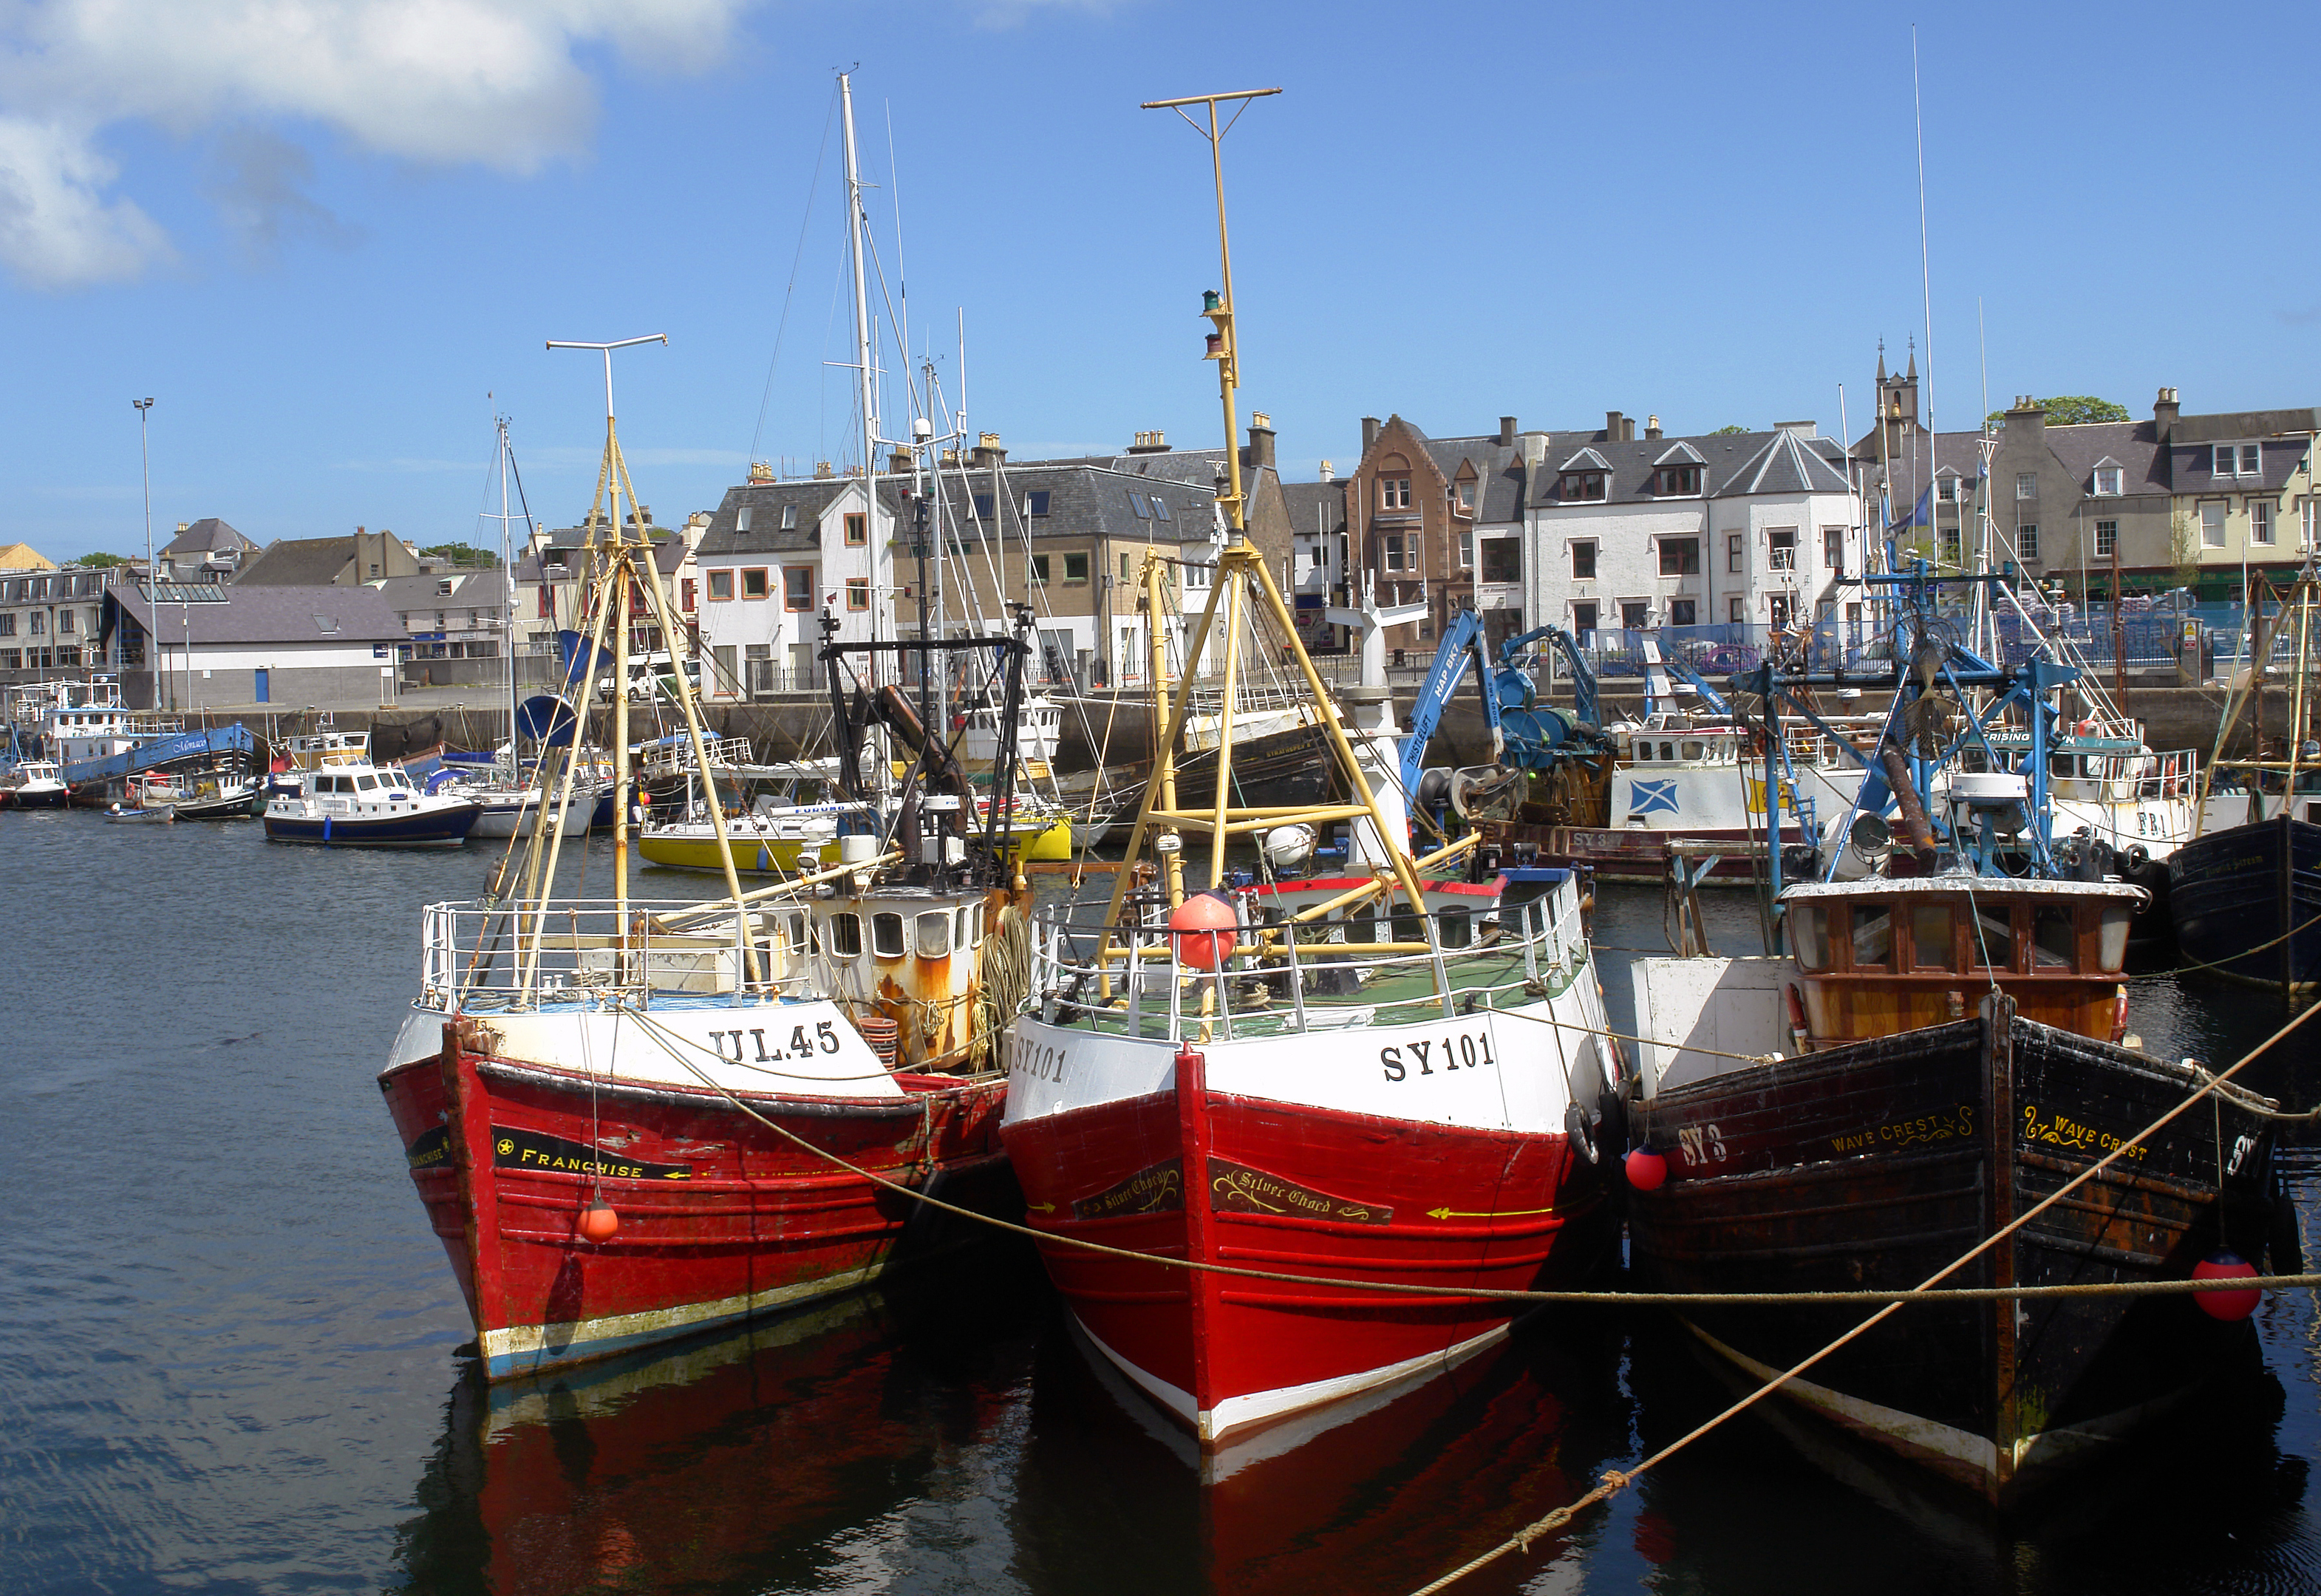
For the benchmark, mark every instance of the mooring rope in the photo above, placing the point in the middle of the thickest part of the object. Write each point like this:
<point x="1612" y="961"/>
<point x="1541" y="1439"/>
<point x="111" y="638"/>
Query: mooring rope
<point x="2220" y="965"/>
<point x="1892" y="1298"/>
<point x="1615" y="1480"/>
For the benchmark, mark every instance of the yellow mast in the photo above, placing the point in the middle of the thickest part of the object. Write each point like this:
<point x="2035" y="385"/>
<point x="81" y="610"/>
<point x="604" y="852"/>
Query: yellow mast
<point x="1243" y="585"/>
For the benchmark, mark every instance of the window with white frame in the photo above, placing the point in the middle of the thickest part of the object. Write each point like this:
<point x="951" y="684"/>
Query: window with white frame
<point x="1466" y="496"/>
<point x="2308" y="509"/>
<point x="2239" y="459"/>
<point x="2026" y="541"/>
<point x="1394" y="493"/>
<point x="1946" y="489"/>
<point x="2108" y="481"/>
<point x="1950" y="554"/>
<point x="2212" y="524"/>
<point x="2260" y="521"/>
<point x="2107" y="539"/>
<point x="1782" y="542"/>
<point x="1394" y="545"/>
<point x="2027" y="485"/>
<point x="1467" y="550"/>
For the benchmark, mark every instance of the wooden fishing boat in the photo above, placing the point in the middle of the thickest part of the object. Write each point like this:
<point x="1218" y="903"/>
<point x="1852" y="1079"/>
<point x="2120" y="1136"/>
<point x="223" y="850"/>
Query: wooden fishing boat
<point x="1938" y="1052"/>
<point x="1399" y="1083"/>
<point x="632" y="1121"/>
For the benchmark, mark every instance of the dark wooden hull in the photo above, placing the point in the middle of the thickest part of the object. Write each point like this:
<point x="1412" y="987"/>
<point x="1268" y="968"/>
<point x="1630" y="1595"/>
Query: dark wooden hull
<point x="1873" y="1164"/>
<point x="2234" y="895"/>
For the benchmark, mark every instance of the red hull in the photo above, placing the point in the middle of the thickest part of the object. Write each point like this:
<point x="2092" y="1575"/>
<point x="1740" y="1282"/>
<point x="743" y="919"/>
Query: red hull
<point x="721" y="1218"/>
<point x="1299" y="1191"/>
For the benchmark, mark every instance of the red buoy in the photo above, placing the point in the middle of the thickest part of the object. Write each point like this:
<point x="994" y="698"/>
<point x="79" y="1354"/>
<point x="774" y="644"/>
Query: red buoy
<point x="1206" y="929"/>
<point x="2232" y="1307"/>
<point x="598" y="1222"/>
<point x="1646" y="1170"/>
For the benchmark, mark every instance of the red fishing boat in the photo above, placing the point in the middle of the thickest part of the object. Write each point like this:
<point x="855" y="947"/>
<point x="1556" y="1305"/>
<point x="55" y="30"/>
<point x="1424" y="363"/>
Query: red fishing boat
<point x="630" y="1121"/>
<point x="1390" y="1081"/>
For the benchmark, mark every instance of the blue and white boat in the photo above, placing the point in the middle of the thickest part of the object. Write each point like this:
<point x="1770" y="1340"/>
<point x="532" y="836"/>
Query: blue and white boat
<point x="361" y="805"/>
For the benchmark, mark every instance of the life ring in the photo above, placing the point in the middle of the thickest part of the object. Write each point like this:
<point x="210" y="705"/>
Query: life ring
<point x="2086" y="728"/>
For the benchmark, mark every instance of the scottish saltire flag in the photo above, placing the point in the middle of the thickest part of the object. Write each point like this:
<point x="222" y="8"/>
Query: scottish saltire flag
<point x="1921" y="514"/>
<point x="1653" y="797"/>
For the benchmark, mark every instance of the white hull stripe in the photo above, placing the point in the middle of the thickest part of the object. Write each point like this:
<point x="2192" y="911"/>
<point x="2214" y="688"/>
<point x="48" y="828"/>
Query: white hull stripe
<point x="524" y="1349"/>
<point x="1235" y="1413"/>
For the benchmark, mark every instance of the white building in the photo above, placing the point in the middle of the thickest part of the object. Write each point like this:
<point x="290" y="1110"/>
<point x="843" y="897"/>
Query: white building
<point x="1740" y="528"/>
<point x="773" y="556"/>
<point x="218" y="646"/>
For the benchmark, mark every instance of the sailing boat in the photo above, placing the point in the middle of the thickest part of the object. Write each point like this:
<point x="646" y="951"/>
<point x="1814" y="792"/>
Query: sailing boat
<point x="1392" y="1080"/>
<point x="629" y="1121"/>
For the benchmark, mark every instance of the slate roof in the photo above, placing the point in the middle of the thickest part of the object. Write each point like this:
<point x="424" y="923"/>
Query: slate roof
<point x="1087" y="500"/>
<point x="1302" y="499"/>
<point x="297" y="562"/>
<point x="810" y="498"/>
<point x="2131" y="445"/>
<point x="2191" y="465"/>
<point x="208" y="535"/>
<point x="475" y="589"/>
<point x="1777" y="461"/>
<point x="275" y="613"/>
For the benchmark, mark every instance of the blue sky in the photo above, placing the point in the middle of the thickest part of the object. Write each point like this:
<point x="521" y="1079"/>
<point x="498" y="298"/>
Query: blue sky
<point x="320" y="250"/>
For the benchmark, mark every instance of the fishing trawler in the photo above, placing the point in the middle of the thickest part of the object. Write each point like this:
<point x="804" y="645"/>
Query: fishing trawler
<point x="1393" y="1079"/>
<point x="1939" y="1050"/>
<point x="629" y="1121"/>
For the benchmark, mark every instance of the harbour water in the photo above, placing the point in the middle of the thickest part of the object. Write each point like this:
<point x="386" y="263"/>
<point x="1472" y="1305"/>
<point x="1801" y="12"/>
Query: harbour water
<point x="227" y="1344"/>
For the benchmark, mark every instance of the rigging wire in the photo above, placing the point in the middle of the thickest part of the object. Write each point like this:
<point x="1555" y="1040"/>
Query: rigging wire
<point x="814" y="184"/>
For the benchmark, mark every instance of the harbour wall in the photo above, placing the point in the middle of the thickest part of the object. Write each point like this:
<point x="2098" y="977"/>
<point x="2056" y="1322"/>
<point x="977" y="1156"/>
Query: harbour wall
<point x="794" y="725"/>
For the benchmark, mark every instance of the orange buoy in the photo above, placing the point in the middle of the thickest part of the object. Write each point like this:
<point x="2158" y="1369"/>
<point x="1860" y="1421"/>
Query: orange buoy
<point x="598" y="1222"/>
<point x="1205" y="928"/>
<point x="1646" y="1170"/>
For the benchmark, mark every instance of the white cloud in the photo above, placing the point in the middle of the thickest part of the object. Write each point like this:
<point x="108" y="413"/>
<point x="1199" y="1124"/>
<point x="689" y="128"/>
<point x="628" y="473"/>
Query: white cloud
<point x="494" y="82"/>
<point x="57" y="228"/>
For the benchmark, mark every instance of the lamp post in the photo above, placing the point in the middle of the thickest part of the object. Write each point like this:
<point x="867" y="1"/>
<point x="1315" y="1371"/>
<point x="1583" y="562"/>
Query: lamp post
<point x="145" y="456"/>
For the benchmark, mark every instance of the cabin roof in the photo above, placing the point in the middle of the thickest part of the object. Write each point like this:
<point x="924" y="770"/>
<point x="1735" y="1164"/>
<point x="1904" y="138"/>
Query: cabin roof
<point x="1990" y="887"/>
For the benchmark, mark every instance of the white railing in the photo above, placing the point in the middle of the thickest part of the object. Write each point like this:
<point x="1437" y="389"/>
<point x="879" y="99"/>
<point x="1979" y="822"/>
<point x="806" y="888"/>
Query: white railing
<point x="724" y="753"/>
<point x="528" y="954"/>
<point x="1318" y="976"/>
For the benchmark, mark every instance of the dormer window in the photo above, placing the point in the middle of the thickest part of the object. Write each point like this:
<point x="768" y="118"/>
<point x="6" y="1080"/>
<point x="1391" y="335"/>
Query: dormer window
<point x="1946" y="489"/>
<point x="2239" y="459"/>
<point x="1580" y="485"/>
<point x="1467" y="496"/>
<point x="2110" y="481"/>
<point x="1675" y="480"/>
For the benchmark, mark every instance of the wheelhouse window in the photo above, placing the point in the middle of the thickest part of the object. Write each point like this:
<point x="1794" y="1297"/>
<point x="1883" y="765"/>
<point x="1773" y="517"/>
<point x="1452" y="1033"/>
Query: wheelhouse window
<point x="1810" y="927"/>
<point x="934" y="929"/>
<point x="846" y="935"/>
<point x="1993" y="942"/>
<point x="2053" y="936"/>
<point x="2111" y="950"/>
<point x="1871" y="936"/>
<point x="887" y="936"/>
<point x="1930" y="936"/>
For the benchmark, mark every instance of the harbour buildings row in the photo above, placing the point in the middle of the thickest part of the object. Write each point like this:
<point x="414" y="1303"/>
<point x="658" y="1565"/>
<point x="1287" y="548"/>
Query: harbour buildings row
<point x="1623" y="524"/>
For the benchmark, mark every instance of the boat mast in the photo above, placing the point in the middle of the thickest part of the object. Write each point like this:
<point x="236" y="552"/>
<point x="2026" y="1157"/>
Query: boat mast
<point x="508" y="598"/>
<point x="1241" y="574"/>
<point x="854" y="220"/>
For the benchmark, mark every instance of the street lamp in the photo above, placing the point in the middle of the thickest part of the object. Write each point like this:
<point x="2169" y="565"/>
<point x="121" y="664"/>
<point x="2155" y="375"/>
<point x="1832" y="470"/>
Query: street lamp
<point x="152" y="638"/>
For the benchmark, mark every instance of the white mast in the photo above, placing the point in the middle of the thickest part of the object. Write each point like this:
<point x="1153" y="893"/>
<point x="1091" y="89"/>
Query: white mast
<point x="507" y="596"/>
<point x="862" y="350"/>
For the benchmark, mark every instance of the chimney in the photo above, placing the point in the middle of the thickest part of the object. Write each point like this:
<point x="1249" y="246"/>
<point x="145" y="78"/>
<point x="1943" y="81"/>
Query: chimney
<point x="2163" y="414"/>
<point x="184" y="525"/>
<point x="1652" y="427"/>
<point x="898" y="463"/>
<point x="822" y="470"/>
<point x="1153" y="443"/>
<point x="987" y="452"/>
<point x="761" y="470"/>
<point x="1506" y="432"/>
<point x="1369" y="434"/>
<point x="1261" y="441"/>
<point x="1327" y="474"/>
<point x="1611" y="426"/>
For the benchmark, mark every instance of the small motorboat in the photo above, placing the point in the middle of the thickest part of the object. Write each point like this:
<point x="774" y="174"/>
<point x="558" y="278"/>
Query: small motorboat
<point x="34" y="784"/>
<point x="165" y="814"/>
<point x="359" y="805"/>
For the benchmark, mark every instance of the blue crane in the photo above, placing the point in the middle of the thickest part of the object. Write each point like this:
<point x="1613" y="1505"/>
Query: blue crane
<point x="1525" y="733"/>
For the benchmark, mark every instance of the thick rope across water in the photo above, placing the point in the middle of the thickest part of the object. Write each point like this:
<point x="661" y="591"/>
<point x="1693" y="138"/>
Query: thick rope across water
<point x="1894" y="1298"/>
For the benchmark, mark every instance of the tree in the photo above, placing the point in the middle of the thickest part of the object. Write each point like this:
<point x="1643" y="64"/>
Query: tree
<point x="2184" y="549"/>
<point x="1726" y="432"/>
<point x="466" y="556"/>
<point x="2072" y="410"/>
<point x="97" y="560"/>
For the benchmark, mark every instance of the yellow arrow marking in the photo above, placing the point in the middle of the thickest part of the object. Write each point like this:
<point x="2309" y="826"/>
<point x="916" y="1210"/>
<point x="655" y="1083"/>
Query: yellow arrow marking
<point x="1044" y="1207"/>
<point x="1502" y="1213"/>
